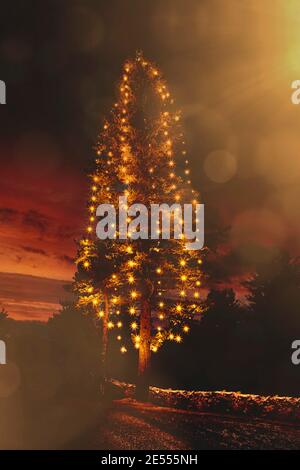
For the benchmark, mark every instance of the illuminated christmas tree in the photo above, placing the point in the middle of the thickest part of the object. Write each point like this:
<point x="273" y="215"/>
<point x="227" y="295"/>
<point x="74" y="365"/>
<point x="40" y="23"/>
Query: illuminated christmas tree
<point x="146" y="273"/>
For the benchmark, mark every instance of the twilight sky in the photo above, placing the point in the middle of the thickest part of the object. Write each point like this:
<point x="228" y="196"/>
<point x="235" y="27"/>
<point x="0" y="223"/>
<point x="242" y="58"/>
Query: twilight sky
<point x="229" y="65"/>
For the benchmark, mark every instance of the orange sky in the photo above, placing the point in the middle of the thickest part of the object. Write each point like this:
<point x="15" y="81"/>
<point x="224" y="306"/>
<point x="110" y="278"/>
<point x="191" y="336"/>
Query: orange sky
<point x="41" y="215"/>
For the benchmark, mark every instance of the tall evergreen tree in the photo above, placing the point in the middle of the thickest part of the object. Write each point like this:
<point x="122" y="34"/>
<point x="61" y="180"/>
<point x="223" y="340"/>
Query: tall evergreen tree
<point x="155" y="280"/>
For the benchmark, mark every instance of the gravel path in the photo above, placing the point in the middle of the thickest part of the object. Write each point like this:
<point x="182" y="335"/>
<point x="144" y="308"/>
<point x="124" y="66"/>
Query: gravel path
<point x="129" y="425"/>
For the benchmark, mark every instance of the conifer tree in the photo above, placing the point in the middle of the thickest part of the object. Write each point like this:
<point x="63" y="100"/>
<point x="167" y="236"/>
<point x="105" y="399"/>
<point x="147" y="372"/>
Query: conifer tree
<point x="152" y="277"/>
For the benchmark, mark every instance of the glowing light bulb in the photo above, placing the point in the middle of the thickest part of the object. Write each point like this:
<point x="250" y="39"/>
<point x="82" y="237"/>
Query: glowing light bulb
<point x="133" y="325"/>
<point x="178" y="338"/>
<point x="110" y="325"/>
<point x="178" y="308"/>
<point x="183" y="277"/>
<point x="186" y="329"/>
<point x="123" y="349"/>
<point x="182" y="262"/>
<point x="131" y="279"/>
<point x="119" y="324"/>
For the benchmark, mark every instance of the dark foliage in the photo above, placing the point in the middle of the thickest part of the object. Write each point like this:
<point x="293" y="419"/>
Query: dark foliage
<point x="49" y="390"/>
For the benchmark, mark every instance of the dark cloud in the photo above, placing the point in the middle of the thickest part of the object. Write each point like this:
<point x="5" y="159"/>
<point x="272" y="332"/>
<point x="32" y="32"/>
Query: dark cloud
<point x="36" y="220"/>
<point x="8" y="214"/>
<point x="31" y="249"/>
<point x="66" y="259"/>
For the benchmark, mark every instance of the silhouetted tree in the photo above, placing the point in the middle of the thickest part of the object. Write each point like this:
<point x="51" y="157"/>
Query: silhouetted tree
<point x="3" y="314"/>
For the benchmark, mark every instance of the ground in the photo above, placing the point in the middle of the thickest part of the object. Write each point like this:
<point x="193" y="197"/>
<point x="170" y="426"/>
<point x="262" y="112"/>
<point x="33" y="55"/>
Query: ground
<point x="129" y="425"/>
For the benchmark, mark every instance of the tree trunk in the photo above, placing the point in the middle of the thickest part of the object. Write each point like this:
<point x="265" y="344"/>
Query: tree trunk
<point x="104" y="340"/>
<point x="142" y="386"/>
